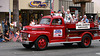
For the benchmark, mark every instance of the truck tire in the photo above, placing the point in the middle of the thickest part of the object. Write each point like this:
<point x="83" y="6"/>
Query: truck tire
<point x="67" y="44"/>
<point x="85" y="42"/>
<point x="41" y="43"/>
<point x="28" y="46"/>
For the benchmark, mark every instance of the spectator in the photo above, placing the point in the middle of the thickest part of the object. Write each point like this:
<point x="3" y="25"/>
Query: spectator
<point x="6" y="36"/>
<point x="6" y="27"/>
<point x="3" y="27"/>
<point x="11" y="27"/>
<point x="68" y="16"/>
<point x="17" y="36"/>
<point x="85" y="20"/>
<point x="1" y="38"/>
<point x="32" y="23"/>
<point x="20" y="25"/>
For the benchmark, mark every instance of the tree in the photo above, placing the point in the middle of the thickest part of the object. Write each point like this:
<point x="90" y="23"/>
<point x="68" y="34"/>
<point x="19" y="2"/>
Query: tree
<point x="16" y="13"/>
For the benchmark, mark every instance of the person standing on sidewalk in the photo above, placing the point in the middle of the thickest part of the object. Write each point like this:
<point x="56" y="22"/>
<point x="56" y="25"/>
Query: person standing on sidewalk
<point x="20" y="25"/>
<point x="6" y="27"/>
<point x="32" y="23"/>
<point x="1" y="38"/>
<point x="3" y="27"/>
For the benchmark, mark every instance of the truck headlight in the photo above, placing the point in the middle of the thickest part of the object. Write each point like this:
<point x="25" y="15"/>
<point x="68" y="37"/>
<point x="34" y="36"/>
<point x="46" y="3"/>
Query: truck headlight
<point x="29" y="35"/>
<point x="23" y="28"/>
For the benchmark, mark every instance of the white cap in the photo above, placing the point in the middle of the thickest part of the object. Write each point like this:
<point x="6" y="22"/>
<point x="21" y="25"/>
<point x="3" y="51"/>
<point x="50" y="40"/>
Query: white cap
<point x="68" y="10"/>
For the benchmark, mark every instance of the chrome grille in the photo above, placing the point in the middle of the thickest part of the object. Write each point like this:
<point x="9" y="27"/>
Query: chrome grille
<point x="24" y="35"/>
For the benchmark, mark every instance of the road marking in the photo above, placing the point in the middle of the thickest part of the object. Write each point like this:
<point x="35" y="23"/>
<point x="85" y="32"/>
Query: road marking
<point x="98" y="53"/>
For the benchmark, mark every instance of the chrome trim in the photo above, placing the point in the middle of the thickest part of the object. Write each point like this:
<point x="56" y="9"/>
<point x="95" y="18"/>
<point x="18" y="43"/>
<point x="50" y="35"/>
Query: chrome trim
<point x="73" y="37"/>
<point x="65" y="42"/>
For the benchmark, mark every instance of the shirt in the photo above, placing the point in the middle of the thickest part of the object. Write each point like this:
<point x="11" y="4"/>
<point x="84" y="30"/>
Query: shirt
<point x="11" y="25"/>
<point x="86" y="20"/>
<point x="68" y="17"/>
<point x="75" y="19"/>
<point x="57" y="14"/>
<point x="32" y="24"/>
<point x="6" y="35"/>
<point x="6" y="27"/>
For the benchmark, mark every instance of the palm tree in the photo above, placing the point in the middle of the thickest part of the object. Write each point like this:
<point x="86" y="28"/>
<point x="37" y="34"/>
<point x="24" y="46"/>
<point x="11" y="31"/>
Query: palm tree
<point x="16" y="13"/>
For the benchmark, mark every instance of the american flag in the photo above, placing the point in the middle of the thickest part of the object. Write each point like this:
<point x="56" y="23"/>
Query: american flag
<point x="17" y="37"/>
<point x="52" y="3"/>
<point x="11" y="35"/>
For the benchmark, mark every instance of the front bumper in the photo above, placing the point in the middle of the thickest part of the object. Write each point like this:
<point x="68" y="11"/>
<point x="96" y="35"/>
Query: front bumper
<point x="26" y="42"/>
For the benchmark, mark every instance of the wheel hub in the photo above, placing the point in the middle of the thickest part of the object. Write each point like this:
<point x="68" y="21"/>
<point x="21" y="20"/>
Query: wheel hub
<point x="86" y="41"/>
<point x="42" y="43"/>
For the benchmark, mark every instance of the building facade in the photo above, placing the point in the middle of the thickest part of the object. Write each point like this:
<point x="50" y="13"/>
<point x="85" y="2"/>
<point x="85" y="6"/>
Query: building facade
<point x="4" y="9"/>
<point x="31" y="9"/>
<point x="28" y="13"/>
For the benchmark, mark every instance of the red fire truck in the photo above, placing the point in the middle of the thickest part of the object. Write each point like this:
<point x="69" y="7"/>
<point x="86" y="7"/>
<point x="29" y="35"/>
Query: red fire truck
<point x="53" y="29"/>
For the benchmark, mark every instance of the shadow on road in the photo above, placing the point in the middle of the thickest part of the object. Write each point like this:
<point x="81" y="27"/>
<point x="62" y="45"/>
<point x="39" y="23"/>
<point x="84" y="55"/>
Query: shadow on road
<point x="57" y="48"/>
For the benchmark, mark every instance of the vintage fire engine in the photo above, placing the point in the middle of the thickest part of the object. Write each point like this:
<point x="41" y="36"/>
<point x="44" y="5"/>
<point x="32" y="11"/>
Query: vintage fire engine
<point x="52" y="29"/>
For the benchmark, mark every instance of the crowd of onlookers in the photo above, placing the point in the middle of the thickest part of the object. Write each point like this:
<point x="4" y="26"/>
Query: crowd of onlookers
<point x="4" y="36"/>
<point x="7" y="33"/>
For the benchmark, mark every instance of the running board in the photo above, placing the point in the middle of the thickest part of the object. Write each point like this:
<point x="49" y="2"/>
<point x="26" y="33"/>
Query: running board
<point x="65" y="42"/>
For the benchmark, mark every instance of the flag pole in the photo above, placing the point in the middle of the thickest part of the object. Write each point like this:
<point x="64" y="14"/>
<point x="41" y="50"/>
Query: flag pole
<point x="50" y="7"/>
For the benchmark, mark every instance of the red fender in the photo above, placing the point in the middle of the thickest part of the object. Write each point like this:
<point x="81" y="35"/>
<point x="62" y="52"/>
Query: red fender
<point x="86" y="33"/>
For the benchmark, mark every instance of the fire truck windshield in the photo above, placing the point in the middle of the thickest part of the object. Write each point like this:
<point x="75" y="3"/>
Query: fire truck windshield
<point x="45" y="21"/>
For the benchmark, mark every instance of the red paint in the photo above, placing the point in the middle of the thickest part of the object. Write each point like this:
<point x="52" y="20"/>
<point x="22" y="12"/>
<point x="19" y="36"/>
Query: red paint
<point x="87" y="33"/>
<point x="48" y="31"/>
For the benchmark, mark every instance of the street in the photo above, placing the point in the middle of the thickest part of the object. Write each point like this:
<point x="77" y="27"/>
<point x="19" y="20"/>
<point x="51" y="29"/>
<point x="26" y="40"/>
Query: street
<point x="16" y="49"/>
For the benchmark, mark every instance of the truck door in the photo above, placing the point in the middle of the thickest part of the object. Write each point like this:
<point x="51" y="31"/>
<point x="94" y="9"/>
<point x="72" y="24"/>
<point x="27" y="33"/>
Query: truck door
<point x="57" y="29"/>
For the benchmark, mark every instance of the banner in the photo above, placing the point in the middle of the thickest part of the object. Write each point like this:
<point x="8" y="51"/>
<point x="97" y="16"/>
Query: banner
<point x="83" y="26"/>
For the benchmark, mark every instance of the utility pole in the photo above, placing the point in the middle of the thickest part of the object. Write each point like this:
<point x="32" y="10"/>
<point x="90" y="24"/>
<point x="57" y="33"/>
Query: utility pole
<point x="16" y="14"/>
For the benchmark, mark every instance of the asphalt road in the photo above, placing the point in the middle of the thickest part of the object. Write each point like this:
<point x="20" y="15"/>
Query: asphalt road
<point x="16" y="49"/>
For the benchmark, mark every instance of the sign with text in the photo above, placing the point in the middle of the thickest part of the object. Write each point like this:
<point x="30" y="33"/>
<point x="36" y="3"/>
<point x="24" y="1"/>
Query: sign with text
<point x="57" y="33"/>
<point x="38" y="4"/>
<point x="83" y="26"/>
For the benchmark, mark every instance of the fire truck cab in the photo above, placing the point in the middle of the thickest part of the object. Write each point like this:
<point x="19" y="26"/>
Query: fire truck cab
<point x="53" y="29"/>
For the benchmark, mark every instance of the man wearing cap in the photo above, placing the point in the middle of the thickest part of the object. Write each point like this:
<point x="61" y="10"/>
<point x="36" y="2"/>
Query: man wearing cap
<point x="68" y="16"/>
<point x="58" y="14"/>
<point x="85" y="20"/>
